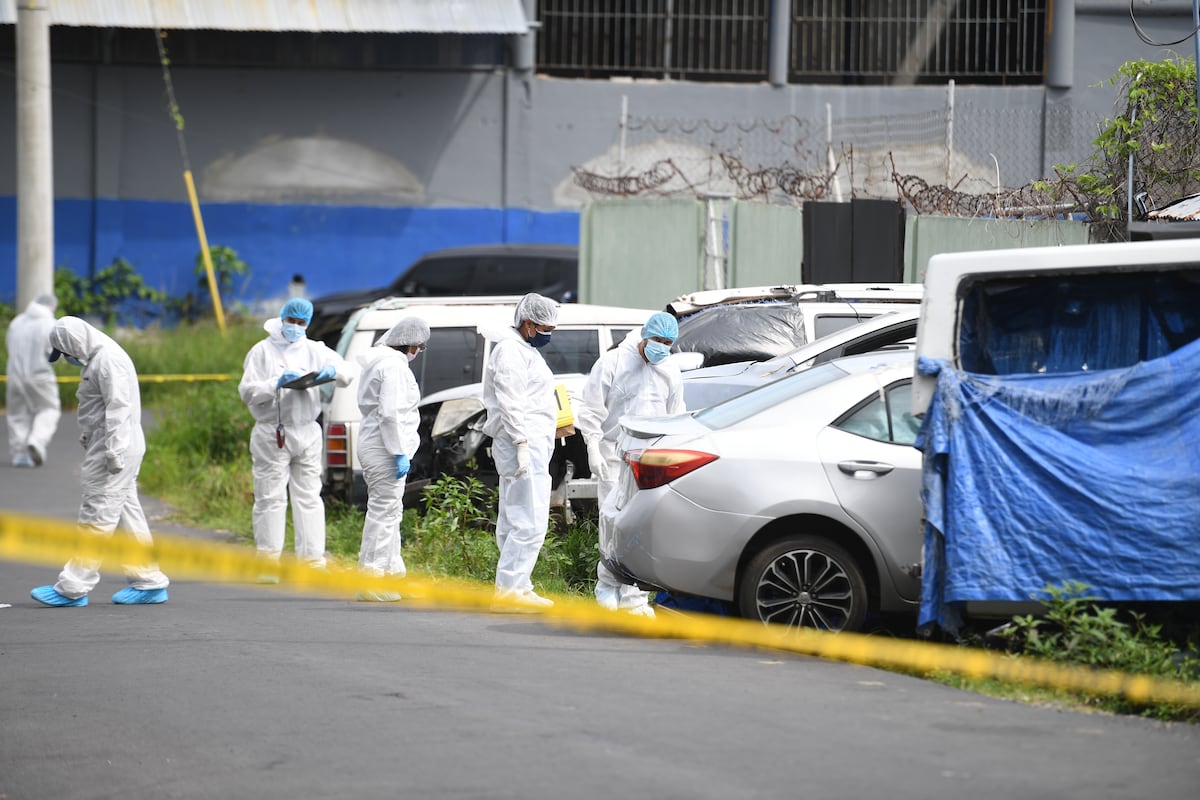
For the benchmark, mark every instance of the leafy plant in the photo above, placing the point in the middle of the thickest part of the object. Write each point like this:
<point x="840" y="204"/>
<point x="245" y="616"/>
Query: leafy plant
<point x="115" y="291"/>
<point x="454" y="536"/>
<point x="1155" y="123"/>
<point x="1076" y="629"/>
<point x="226" y="266"/>
<point x="570" y="556"/>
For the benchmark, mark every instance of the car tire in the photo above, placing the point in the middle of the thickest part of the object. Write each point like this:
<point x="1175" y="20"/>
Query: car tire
<point x="804" y="581"/>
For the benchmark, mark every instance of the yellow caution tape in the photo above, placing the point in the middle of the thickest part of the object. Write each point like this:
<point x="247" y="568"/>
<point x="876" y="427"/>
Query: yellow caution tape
<point x="153" y="378"/>
<point x="53" y="542"/>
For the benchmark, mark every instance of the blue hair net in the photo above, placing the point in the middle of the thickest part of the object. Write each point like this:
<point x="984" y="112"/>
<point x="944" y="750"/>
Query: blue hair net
<point x="662" y="325"/>
<point x="299" y="308"/>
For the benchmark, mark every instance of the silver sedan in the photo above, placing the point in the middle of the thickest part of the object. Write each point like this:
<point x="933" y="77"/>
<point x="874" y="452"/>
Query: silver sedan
<point x="798" y="501"/>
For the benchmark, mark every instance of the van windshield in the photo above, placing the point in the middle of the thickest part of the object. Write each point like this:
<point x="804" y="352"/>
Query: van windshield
<point x="1071" y="323"/>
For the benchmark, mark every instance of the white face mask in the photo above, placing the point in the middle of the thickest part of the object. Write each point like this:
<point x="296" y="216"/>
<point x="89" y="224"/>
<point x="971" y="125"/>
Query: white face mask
<point x="411" y="356"/>
<point x="656" y="352"/>
<point x="292" y="332"/>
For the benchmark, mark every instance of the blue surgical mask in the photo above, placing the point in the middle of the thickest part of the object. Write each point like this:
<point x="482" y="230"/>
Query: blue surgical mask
<point x="73" y="360"/>
<point x="656" y="351"/>
<point x="539" y="339"/>
<point x="293" y="332"/>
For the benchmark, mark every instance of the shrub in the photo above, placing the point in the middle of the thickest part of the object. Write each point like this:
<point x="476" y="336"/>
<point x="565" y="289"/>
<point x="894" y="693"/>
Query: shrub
<point x="1076" y="630"/>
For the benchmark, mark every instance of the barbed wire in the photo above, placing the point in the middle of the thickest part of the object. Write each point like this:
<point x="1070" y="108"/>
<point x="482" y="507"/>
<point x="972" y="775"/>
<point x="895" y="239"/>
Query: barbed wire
<point x="659" y="174"/>
<point x="763" y="182"/>
<point x="1032" y="201"/>
<point x="907" y="157"/>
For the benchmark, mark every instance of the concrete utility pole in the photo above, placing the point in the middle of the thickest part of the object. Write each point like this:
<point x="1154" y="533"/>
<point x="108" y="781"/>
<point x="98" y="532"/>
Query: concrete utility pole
<point x="35" y="149"/>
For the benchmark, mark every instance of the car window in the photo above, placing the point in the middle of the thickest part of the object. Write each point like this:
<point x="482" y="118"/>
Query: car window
<point x="618" y="336"/>
<point x="825" y="324"/>
<point x="453" y="357"/>
<point x="443" y="276"/>
<point x="572" y="350"/>
<point x="1069" y="323"/>
<point x="744" y="406"/>
<point x="508" y="275"/>
<point x="887" y="419"/>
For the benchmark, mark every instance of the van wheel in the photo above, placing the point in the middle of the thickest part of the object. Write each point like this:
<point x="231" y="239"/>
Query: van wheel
<point x="806" y="582"/>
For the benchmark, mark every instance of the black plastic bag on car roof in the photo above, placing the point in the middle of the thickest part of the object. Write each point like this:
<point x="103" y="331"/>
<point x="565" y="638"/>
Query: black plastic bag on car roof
<point x="745" y="332"/>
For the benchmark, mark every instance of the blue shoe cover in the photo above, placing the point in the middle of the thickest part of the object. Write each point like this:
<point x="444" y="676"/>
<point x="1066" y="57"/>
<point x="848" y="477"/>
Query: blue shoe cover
<point x="48" y="597"/>
<point x="130" y="596"/>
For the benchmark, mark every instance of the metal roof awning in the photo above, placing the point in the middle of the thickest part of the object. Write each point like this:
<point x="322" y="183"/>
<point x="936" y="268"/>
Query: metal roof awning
<point x="335" y="16"/>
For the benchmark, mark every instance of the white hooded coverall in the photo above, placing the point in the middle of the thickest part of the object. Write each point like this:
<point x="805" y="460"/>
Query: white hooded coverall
<point x="518" y="392"/>
<point x="622" y="383"/>
<point x="32" y="391"/>
<point x="110" y="421"/>
<point x="387" y="397"/>
<point x="296" y="465"/>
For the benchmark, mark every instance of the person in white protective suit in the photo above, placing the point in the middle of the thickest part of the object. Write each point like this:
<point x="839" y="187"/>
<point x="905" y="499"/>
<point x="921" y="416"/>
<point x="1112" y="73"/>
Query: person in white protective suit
<point x="634" y="379"/>
<point x="32" y="393"/>
<point x="522" y="417"/>
<point x="285" y="443"/>
<point x="387" y="441"/>
<point x="110" y="421"/>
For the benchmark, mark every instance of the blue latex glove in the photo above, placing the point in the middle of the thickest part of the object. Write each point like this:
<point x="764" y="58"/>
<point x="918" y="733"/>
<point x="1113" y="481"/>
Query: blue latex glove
<point x="287" y="377"/>
<point x="326" y="374"/>
<point x="401" y="466"/>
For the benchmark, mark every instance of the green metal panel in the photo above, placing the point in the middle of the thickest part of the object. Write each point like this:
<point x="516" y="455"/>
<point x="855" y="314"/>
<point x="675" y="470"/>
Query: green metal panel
<point x="640" y="253"/>
<point x="766" y="244"/>
<point x="928" y="236"/>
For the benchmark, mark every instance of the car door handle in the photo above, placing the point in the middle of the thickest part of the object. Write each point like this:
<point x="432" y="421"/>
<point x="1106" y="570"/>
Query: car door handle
<point x="865" y="470"/>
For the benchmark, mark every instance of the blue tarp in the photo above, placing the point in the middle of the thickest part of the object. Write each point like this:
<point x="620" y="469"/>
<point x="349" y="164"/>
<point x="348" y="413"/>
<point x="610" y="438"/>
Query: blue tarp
<point x="1032" y="480"/>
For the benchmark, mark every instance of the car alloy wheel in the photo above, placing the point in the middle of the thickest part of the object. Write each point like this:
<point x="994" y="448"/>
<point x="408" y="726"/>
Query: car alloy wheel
<point x="804" y="581"/>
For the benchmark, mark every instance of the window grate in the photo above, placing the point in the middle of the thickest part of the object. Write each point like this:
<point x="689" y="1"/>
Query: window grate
<point x="681" y="39"/>
<point x="914" y="41"/>
<point x="839" y="41"/>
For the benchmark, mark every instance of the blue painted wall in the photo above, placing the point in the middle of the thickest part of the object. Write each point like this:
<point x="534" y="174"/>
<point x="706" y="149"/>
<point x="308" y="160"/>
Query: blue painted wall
<point x="333" y="247"/>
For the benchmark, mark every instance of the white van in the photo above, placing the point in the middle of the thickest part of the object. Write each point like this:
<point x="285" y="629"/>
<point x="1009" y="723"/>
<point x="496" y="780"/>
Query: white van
<point x="452" y="366"/>
<point x="1059" y="390"/>
<point x="1034" y="290"/>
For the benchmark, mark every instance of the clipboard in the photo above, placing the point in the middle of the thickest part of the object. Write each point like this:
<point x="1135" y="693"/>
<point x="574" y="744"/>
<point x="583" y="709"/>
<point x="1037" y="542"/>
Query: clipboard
<point x="305" y="381"/>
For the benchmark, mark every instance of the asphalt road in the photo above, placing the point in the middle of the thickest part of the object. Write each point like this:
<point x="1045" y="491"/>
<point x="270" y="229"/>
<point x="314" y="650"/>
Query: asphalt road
<point x="247" y="691"/>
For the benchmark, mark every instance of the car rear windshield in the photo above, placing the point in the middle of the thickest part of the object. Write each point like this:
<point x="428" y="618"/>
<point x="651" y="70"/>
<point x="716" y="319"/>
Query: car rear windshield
<point x="744" y="406"/>
<point x="1070" y="323"/>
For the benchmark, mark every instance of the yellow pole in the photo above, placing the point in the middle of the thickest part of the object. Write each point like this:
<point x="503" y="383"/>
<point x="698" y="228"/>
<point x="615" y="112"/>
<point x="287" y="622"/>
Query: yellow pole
<point x="207" y="256"/>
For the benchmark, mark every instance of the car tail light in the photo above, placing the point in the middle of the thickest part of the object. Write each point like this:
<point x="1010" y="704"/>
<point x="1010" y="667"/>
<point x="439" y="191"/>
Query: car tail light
<point x="336" y="442"/>
<point x="653" y="468"/>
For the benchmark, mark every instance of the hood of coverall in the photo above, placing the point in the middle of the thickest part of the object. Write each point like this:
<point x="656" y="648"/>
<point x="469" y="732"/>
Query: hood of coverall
<point x="38" y="310"/>
<point x="74" y="337"/>
<point x="274" y="329"/>
<point x="377" y="353"/>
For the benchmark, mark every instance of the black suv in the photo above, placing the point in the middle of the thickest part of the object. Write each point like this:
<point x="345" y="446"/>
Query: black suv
<point x="480" y="270"/>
